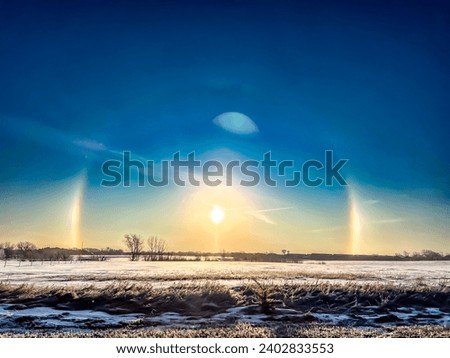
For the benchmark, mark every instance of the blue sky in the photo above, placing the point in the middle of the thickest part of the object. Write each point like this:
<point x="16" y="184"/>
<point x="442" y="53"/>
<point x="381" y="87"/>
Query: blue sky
<point x="367" y="79"/>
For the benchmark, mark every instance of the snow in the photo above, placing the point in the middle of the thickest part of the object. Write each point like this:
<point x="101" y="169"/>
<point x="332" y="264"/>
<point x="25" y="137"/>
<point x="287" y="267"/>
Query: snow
<point x="232" y="274"/>
<point x="332" y="318"/>
<point x="227" y="273"/>
<point x="49" y="318"/>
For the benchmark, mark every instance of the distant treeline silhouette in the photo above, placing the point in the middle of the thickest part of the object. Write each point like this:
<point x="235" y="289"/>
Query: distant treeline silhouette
<point x="27" y="251"/>
<point x="156" y="251"/>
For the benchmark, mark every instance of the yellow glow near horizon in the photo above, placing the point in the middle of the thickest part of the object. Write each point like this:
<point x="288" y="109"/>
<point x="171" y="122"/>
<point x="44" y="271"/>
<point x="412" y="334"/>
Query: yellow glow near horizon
<point x="75" y="222"/>
<point x="355" y="223"/>
<point x="203" y="227"/>
<point x="217" y="215"/>
<point x="75" y="213"/>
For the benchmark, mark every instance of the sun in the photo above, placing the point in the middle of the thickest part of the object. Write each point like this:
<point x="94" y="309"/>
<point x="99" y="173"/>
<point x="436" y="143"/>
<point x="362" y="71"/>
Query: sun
<point x="217" y="215"/>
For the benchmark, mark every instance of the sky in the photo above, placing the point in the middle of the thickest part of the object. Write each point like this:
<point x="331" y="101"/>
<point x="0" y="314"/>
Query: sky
<point x="84" y="81"/>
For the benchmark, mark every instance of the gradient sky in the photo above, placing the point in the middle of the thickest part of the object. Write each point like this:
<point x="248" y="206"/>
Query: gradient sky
<point x="82" y="81"/>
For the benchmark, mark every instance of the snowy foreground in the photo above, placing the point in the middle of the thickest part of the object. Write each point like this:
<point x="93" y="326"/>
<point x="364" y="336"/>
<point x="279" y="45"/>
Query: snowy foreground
<point x="226" y="273"/>
<point x="119" y="294"/>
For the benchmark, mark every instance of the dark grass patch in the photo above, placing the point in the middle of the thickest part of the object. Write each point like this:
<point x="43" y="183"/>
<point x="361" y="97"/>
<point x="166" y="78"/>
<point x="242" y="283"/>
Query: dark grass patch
<point x="302" y="303"/>
<point x="242" y="330"/>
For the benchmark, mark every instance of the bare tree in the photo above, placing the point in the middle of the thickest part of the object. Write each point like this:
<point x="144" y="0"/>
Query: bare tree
<point x="432" y="255"/>
<point x="8" y="247"/>
<point x="8" y="251"/>
<point x="26" y="250"/>
<point x="156" y="249"/>
<point x="135" y="245"/>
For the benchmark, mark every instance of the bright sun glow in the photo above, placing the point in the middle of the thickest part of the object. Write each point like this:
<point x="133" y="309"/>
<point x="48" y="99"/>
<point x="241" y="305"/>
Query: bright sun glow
<point x="355" y="228"/>
<point x="217" y="215"/>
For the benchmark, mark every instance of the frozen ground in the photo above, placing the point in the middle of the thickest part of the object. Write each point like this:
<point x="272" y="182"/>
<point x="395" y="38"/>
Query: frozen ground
<point x="227" y="273"/>
<point x="119" y="294"/>
<point x="50" y="319"/>
<point x="47" y="318"/>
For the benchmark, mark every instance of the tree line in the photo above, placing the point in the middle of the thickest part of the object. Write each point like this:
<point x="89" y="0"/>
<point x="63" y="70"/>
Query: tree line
<point x="27" y="251"/>
<point x="155" y="251"/>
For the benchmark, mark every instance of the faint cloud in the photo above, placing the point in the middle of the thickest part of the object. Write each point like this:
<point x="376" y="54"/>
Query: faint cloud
<point x="90" y="144"/>
<point x="371" y="202"/>
<point x="260" y="214"/>
<point x="236" y="122"/>
<point x="262" y="217"/>
<point x="389" y="221"/>
<point x="273" y="209"/>
<point x="327" y="229"/>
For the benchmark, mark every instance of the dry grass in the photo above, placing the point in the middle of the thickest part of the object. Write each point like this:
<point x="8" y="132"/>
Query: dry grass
<point x="207" y="298"/>
<point x="204" y="298"/>
<point x="319" y="331"/>
<point x="243" y="330"/>
<point x="297" y="304"/>
<point x="226" y="276"/>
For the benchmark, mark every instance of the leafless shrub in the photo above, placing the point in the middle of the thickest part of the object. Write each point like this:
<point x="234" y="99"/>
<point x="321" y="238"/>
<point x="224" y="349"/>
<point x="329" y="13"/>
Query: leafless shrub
<point x="265" y="295"/>
<point x="156" y="249"/>
<point x="8" y="251"/>
<point x="135" y="245"/>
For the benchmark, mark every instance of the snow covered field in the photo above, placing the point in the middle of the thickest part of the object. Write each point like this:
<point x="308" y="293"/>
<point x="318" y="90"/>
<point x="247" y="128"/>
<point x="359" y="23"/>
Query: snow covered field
<point x="228" y="273"/>
<point x="120" y="294"/>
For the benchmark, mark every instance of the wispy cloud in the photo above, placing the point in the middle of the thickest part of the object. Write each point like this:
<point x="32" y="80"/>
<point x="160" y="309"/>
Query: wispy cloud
<point x="327" y="229"/>
<point x="236" y="123"/>
<point x="260" y="214"/>
<point x="90" y="144"/>
<point x="273" y="209"/>
<point x="389" y="221"/>
<point x="263" y="217"/>
<point x="371" y="202"/>
<point x="49" y="136"/>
